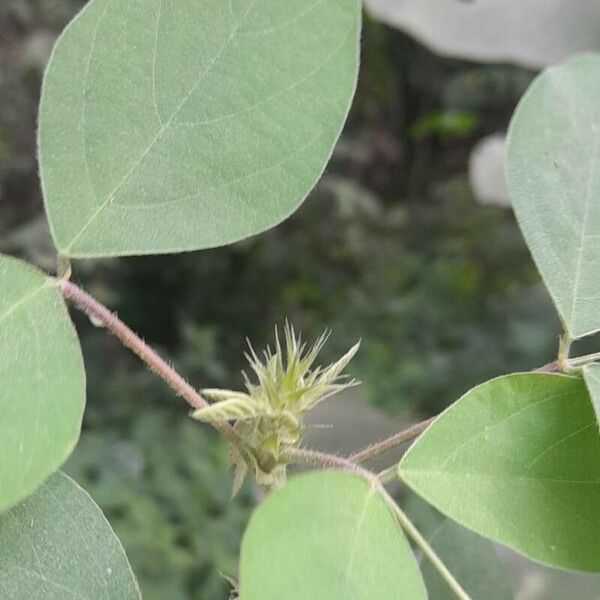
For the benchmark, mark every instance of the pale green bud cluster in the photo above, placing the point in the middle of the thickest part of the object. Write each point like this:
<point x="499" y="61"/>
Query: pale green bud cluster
<point x="268" y="416"/>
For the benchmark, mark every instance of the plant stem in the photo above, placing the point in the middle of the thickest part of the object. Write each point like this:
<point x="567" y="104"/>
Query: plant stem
<point x="322" y="459"/>
<point x="552" y="367"/>
<point x="390" y="443"/>
<point x="414" y="431"/>
<point x="427" y="550"/>
<point x="328" y="461"/>
<point x="388" y="475"/>
<point x="564" y="349"/>
<point x="581" y="361"/>
<point x="63" y="267"/>
<point x="100" y="314"/>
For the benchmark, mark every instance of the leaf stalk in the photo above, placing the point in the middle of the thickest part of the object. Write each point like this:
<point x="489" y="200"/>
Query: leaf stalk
<point x="98" y="313"/>
<point x="427" y="550"/>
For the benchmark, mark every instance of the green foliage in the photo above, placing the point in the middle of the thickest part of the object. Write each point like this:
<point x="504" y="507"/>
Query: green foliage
<point x="42" y="394"/>
<point x="57" y="545"/>
<point x="516" y="459"/>
<point x="185" y="125"/>
<point x="178" y="126"/>
<point x="301" y="543"/>
<point x="162" y="482"/>
<point x="553" y="180"/>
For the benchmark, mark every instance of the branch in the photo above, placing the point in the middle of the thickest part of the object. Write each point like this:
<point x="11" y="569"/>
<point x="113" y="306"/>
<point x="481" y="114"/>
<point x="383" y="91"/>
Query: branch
<point x="414" y="431"/>
<point x="327" y="461"/>
<point x="390" y="443"/>
<point x="99" y="313"/>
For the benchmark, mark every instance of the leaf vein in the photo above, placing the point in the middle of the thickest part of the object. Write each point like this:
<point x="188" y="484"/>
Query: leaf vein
<point x="162" y="130"/>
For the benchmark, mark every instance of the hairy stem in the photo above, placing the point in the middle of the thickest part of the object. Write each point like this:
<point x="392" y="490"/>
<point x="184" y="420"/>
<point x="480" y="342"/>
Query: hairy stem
<point x="427" y="550"/>
<point x="414" y="431"/>
<point x="327" y="461"/>
<point x="100" y="314"/>
<point x="552" y="367"/>
<point x="390" y="443"/>
<point x="581" y="361"/>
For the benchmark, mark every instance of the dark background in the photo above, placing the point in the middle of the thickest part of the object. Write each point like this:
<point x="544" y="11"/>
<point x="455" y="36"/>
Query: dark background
<point x="391" y="247"/>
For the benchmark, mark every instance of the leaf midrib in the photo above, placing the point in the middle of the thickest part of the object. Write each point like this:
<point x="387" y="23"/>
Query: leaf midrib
<point x="353" y="545"/>
<point x="584" y="225"/>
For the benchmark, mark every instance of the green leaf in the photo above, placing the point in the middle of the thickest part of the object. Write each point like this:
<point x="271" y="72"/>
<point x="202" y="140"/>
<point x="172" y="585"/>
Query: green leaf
<point x="42" y="394"/>
<point x="57" y="545"/>
<point x="170" y="125"/>
<point x="517" y="459"/>
<point x="469" y="557"/>
<point x="591" y="375"/>
<point x="554" y="183"/>
<point x="327" y="536"/>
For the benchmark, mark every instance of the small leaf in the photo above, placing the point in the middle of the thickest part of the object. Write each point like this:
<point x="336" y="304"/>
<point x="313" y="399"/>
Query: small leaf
<point x="234" y="409"/>
<point x="240" y="470"/>
<point x="517" y="459"/>
<point x="57" y="545"/>
<point x="327" y="536"/>
<point x="170" y="125"/>
<point x="42" y="390"/>
<point x="591" y="375"/>
<point x="554" y="183"/>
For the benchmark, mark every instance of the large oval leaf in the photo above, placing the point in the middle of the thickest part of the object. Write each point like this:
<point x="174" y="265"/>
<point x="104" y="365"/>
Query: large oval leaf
<point x="327" y="536"/>
<point x="171" y="125"/>
<point x="57" y="545"/>
<point x="517" y="459"/>
<point x="42" y="390"/>
<point x="554" y="183"/>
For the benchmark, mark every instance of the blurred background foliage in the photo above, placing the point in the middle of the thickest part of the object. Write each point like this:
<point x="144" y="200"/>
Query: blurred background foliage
<point x="392" y="247"/>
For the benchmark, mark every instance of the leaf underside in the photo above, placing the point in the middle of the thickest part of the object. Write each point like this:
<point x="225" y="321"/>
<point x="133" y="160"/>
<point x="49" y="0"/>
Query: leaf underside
<point x="554" y="183"/>
<point x="171" y="125"/>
